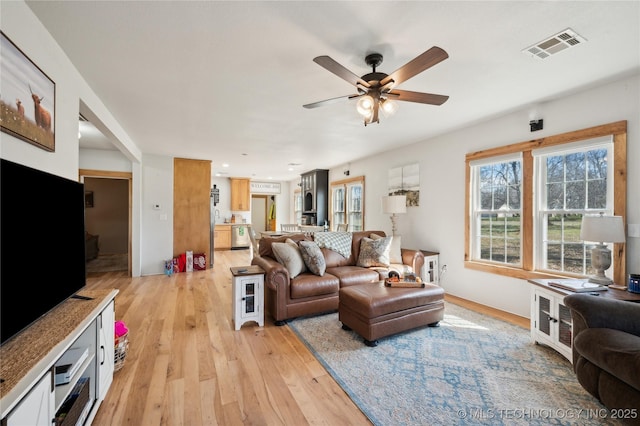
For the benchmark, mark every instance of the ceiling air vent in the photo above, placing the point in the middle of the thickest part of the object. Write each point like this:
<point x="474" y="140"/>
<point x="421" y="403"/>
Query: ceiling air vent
<point x="554" y="44"/>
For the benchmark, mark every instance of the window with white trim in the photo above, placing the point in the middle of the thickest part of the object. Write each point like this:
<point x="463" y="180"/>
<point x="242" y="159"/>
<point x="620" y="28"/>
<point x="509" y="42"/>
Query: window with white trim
<point x="496" y="216"/>
<point x="571" y="181"/>
<point x="347" y="203"/>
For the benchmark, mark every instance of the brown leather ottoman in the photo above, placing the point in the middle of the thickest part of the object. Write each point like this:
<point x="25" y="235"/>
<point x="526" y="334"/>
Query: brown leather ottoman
<point x="374" y="310"/>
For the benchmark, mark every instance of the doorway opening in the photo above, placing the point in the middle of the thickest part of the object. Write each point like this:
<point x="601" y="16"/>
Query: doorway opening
<point x="107" y="220"/>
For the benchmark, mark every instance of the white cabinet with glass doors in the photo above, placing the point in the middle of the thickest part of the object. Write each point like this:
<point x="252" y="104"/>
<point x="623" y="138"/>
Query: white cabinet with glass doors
<point x="347" y="204"/>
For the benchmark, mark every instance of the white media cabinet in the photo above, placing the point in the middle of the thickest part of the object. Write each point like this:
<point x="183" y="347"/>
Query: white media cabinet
<point x="28" y="394"/>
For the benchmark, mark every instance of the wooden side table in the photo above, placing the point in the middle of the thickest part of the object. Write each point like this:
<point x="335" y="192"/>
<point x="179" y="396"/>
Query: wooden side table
<point x="248" y="295"/>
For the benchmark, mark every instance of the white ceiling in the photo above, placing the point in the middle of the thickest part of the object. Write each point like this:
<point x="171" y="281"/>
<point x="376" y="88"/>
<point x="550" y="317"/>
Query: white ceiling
<point x="226" y="81"/>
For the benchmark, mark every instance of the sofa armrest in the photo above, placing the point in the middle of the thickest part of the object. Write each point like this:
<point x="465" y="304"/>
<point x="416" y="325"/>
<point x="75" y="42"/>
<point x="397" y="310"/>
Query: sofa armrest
<point x="588" y="311"/>
<point x="276" y="275"/>
<point x="413" y="258"/>
<point x="276" y="282"/>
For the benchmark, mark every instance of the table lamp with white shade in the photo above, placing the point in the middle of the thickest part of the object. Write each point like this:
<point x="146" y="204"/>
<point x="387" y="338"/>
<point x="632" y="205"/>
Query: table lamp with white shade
<point x="601" y="229"/>
<point x="393" y="205"/>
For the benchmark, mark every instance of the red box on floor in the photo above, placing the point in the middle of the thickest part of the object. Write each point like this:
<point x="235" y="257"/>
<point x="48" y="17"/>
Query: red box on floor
<point x="199" y="262"/>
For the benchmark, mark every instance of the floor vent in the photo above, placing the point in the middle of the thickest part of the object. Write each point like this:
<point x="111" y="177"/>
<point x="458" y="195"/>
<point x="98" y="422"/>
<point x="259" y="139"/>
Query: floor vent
<point x="554" y="44"/>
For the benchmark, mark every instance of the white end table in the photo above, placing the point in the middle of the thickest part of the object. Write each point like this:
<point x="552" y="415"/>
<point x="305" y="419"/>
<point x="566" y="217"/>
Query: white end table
<point x="248" y="295"/>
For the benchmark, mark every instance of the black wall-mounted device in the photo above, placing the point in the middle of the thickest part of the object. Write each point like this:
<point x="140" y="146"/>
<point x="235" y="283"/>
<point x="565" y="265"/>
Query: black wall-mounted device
<point x="535" y="125"/>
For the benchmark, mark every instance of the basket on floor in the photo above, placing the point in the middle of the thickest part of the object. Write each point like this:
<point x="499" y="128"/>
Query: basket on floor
<point x="121" y="348"/>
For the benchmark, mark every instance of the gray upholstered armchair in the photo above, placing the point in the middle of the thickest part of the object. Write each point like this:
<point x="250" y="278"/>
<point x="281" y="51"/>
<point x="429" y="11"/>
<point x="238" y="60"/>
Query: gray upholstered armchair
<point x="606" y="348"/>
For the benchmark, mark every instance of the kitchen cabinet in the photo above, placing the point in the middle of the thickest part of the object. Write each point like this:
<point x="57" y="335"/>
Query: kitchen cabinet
<point x="222" y="237"/>
<point x="240" y="194"/>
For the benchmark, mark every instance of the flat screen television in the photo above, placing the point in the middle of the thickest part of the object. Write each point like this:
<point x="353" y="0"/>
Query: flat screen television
<point x="42" y="251"/>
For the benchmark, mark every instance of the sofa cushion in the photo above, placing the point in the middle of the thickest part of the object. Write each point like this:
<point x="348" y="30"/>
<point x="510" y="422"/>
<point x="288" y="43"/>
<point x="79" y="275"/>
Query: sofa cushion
<point x="336" y="241"/>
<point x="374" y="252"/>
<point x="614" y="351"/>
<point x="313" y="257"/>
<point x="395" y="254"/>
<point x="333" y="259"/>
<point x="309" y="285"/>
<point x="350" y="275"/>
<point x="288" y="254"/>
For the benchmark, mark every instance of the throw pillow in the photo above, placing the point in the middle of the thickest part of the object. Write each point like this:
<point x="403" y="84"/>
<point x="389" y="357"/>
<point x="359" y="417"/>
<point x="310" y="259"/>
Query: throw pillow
<point x="395" y="254"/>
<point x="374" y="252"/>
<point x="313" y="257"/>
<point x="336" y="241"/>
<point x="288" y="254"/>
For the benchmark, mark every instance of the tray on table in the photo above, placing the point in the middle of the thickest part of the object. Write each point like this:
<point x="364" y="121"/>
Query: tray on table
<point x="404" y="284"/>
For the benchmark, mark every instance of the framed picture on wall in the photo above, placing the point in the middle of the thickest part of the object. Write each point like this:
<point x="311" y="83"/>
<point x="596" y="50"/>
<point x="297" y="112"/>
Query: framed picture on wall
<point x="28" y="98"/>
<point x="405" y="180"/>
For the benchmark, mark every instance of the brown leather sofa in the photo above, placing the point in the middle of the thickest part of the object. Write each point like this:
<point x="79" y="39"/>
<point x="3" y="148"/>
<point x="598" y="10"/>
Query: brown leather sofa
<point x="606" y="350"/>
<point x="287" y="298"/>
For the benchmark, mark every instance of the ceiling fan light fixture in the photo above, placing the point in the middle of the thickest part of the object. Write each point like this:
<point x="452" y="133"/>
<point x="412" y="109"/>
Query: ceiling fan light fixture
<point x="365" y="106"/>
<point x="389" y="107"/>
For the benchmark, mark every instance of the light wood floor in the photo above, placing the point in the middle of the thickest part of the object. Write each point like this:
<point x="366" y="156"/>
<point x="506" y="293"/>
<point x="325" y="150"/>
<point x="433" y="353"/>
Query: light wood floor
<point x="187" y="365"/>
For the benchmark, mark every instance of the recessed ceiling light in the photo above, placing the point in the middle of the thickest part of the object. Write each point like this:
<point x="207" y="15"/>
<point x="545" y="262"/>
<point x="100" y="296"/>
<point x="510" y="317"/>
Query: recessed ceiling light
<point x="225" y="165"/>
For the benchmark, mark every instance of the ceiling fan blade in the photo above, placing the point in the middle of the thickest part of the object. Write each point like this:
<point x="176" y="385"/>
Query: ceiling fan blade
<point x="431" y="57"/>
<point x="334" y="67"/>
<point x="330" y="101"/>
<point x="422" y="98"/>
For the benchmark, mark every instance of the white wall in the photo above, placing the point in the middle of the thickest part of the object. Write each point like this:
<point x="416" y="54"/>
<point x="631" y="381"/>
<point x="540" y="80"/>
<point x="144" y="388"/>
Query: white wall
<point x="99" y="159"/>
<point x="438" y="223"/>
<point x="157" y="224"/>
<point x="72" y="94"/>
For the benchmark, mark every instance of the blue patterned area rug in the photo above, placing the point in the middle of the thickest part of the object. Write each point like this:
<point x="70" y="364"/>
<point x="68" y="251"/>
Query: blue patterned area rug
<point x="472" y="370"/>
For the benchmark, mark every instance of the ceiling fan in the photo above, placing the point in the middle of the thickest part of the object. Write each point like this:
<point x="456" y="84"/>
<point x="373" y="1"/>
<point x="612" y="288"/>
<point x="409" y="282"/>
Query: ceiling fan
<point x="376" y="90"/>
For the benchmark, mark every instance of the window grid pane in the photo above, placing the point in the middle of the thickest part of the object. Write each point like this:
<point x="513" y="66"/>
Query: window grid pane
<point x="354" y="211"/>
<point x="576" y="183"/>
<point x="337" y="203"/>
<point x="497" y="227"/>
<point x="298" y="207"/>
